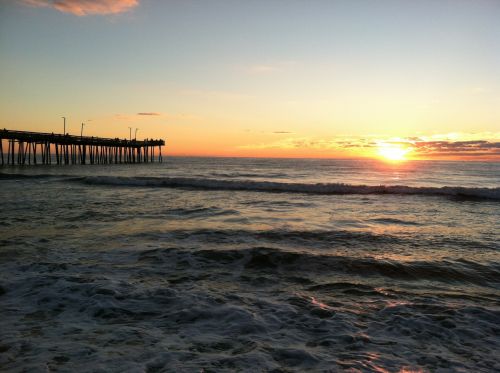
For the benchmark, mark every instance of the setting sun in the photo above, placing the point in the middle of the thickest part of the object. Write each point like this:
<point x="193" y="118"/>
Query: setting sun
<point x="393" y="152"/>
<point x="249" y="185"/>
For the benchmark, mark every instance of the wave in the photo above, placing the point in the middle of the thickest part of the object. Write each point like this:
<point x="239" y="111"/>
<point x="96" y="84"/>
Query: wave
<point x="269" y="259"/>
<point x="271" y="186"/>
<point x="288" y="237"/>
<point x="248" y="174"/>
<point x="308" y="188"/>
<point x="391" y="221"/>
<point x="57" y="177"/>
<point x="4" y="176"/>
<point x="312" y="239"/>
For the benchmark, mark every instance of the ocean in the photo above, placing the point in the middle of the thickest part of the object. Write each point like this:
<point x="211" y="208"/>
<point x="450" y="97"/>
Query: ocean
<point x="261" y="265"/>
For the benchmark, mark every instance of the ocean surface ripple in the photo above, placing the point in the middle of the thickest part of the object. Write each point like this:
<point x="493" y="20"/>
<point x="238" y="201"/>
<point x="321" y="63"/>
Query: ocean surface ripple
<point x="111" y="269"/>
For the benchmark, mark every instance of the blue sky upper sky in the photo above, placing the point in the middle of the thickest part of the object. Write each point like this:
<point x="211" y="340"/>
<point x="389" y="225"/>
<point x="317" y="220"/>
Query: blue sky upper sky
<point x="246" y="77"/>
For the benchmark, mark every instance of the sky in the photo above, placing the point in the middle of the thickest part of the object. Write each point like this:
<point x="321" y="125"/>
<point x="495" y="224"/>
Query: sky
<point x="279" y="78"/>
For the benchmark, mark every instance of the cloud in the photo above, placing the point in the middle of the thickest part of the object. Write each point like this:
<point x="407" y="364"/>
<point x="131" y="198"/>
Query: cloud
<point x="282" y="132"/>
<point x="152" y="116"/>
<point x="443" y="146"/>
<point x="421" y="147"/>
<point x="454" y="148"/>
<point x="85" y="7"/>
<point x="295" y="143"/>
<point x="268" y="68"/>
<point x="136" y="117"/>
<point x="262" y="69"/>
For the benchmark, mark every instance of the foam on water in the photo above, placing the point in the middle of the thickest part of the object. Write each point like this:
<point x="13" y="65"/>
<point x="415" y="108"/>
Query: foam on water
<point x="319" y="188"/>
<point x="177" y="309"/>
<point x="112" y="269"/>
<point x="268" y="186"/>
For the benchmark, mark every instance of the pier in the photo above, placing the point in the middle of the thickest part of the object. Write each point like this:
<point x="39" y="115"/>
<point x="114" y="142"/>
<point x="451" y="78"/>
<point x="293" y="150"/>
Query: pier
<point x="64" y="149"/>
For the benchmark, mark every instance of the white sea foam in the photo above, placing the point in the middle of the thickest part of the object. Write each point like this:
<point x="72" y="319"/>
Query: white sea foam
<point x="186" y="274"/>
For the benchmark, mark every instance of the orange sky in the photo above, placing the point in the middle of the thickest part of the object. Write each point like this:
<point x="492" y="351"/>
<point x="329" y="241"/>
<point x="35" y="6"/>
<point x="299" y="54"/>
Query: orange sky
<point x="297" y="81"/>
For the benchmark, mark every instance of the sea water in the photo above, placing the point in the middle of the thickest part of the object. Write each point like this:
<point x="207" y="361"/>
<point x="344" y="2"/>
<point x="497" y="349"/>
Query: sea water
<point x="226" y="264"/>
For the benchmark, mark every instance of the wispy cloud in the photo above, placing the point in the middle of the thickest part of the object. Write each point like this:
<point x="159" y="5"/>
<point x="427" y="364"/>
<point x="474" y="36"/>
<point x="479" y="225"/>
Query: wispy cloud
<point x="459" y="145"/>
<point x="262" y="69"/>
<point x="295" y="143"/>
<point x="268" y="68"/>
<point x="152" y="116"/>
<point x="281" y="132"/>
<point x="85" y="7"/>
<point x="138" y="116"/>
<point x="422" y="147"/>
<point x="457" y="148"/>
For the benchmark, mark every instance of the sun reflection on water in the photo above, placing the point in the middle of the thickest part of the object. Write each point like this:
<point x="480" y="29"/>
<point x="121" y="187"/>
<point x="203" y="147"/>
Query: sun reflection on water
<point x="319" y="304"/>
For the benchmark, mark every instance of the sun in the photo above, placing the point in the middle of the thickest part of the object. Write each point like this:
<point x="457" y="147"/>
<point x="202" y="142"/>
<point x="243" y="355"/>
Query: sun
<point x="393" y="152"/>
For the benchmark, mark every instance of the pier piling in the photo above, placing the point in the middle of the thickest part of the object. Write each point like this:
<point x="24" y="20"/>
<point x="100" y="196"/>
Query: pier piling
<point x="75" y="149"/>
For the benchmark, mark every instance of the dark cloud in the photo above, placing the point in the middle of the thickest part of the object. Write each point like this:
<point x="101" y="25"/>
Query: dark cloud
<point x="281" y="132"/>
<point x="148" y="113"/>
<point x="453" y="148"/>
<point x="443" y="148"/>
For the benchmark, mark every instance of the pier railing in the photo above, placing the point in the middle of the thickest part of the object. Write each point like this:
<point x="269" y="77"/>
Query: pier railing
<point x="45" y="148"/>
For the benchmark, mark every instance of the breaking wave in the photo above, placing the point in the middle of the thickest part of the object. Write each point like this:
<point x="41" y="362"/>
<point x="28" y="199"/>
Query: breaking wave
<point x="309" y="188"/>
<point x="270" y="186"/>
<point x="269" y="259"/>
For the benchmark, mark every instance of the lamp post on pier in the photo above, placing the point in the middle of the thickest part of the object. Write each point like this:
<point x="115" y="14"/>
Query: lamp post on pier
<point x="135" y="137"/>
<point x="81" y="132"/>
<point x="130" y="135"/>
<point x="64" y="121"/>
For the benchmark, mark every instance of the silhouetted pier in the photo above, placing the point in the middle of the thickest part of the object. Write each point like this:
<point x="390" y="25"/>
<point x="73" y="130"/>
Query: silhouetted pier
<point x="46" y="148"/>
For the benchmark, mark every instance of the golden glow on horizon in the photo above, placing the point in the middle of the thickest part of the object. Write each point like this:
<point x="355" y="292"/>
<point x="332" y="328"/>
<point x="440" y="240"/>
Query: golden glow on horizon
<point x="397" y="84"/>
<point x="393" y="152"/>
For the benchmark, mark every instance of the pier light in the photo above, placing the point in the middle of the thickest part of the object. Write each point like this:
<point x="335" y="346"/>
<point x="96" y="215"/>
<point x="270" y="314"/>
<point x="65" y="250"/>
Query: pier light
<point x="81" y="132"/>
<point x="64" y="121"/>
<point x="130" y="130"/>
<point x="135" y="137"/>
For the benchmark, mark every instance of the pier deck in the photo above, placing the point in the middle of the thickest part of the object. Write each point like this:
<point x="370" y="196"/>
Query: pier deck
<point x="46" y="148"/>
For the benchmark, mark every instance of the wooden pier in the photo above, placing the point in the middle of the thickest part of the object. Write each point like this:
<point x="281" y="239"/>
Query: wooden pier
<point x="48" y="148"/>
